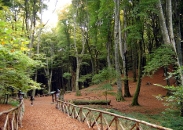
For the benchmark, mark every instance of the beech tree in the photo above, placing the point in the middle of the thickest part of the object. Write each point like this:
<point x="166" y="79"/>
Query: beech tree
<point x="117" y="39"/>
<point x="81" y="22"/>
<point x="167" y="31"/>
<point x="16" y="67"/>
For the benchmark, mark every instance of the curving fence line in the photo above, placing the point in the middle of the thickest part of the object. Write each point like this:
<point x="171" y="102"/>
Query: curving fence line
<point x="102" y="120"/>
<point x="13" y="117"/>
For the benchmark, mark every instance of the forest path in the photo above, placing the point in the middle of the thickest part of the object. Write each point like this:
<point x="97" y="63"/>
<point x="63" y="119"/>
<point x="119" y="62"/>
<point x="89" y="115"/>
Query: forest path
<point x="44" y="116"/>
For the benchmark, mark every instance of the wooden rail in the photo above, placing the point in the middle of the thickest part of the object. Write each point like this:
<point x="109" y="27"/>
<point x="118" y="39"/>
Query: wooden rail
<point x="13" y="117"/>
<point x="102" y="120"/>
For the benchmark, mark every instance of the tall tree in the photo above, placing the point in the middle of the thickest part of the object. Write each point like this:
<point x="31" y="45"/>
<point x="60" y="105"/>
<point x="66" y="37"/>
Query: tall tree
<point x="123" y="52"/>
<point x="167" y="31"/>
<point x="105" y="28"/>
<point x="82" y="22"/>
<point x="138" y="33"/>
<point x="48" y="43"/>
<point x="117" y="39"/>
<point x="168" y="36"/>
<point x="16" y="67"/>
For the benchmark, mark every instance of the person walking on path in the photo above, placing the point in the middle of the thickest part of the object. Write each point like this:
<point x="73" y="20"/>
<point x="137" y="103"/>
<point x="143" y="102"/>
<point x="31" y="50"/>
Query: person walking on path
<point x="57" y="94"/>
<point x="31" y="99"/>
<point x="44" y="116"/>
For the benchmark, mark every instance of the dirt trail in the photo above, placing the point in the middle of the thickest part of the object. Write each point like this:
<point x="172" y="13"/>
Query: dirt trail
<point x="44" y="116"/>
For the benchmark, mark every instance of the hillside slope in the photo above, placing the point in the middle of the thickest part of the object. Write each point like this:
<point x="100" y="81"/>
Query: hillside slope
<point x="148" y="102"/>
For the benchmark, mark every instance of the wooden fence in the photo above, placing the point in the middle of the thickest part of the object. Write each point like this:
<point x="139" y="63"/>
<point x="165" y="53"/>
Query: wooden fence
<point x="102" y="120"/>
<point x="12" y="118"/>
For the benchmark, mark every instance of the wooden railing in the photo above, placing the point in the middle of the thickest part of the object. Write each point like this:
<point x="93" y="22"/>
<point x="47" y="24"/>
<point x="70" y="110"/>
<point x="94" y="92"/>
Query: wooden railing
<point x="102" y="120"/>
<point x="12" y="119"/>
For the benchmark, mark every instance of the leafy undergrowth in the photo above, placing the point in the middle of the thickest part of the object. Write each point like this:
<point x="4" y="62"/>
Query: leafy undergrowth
<point x="170" y="120"/>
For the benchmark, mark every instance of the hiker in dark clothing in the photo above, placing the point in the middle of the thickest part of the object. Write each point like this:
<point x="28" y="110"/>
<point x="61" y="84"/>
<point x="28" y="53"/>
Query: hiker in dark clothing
<point x="31" y="99"/>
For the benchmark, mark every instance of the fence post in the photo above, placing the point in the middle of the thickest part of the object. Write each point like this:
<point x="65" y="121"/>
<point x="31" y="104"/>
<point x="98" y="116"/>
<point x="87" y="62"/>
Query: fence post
<point x="80" y="114"/>
<point x="116" y="123"/>
<point x="101" y="120"/>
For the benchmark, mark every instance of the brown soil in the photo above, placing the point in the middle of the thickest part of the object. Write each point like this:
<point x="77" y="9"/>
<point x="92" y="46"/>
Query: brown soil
<point x="147" y="98"/>
<point x="43" y="115"/>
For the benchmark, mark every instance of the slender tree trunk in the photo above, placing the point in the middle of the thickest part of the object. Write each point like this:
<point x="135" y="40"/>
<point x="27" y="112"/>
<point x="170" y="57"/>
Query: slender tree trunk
<point x="134" y="63"/>
<point x="26" y="15"/>
<point x="38" y="43"/>
<point x="49" y="82"/>
<point x="166" y="75"/>
<point x="93" y="63"/>
<point x="137" y="92"/>
<point x="119" y="96"/>
<point x="108" y="55"/>
<point x="179" y="37"/>
<point x="169" y="39"/>
<point x="79" y="61"/>
<point x="48" y="72"/>
<point x="124" y="59"/>
<point x="163" y="26"/>
<point x="170" y="36"/>
<point x="126" y="84"/>
<point x="78" y="58"/>
<point x="78" y="93"/>
<point x="73" y="81"/>
<point x="108" y="45"/>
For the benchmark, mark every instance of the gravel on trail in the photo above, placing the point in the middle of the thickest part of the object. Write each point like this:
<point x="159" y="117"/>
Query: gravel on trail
<point x="43" y="115"/>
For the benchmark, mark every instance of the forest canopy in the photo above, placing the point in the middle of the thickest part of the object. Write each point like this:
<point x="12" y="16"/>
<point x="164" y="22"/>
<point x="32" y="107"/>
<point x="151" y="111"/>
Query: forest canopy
<point x="91" y="36"/>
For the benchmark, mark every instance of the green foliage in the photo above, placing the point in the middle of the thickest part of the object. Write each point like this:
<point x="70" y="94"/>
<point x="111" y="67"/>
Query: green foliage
<point x="67" y="75"/>
<point x="14" y="70"/>
<point x="14" y="40"/>
<point x="83" y="78"/>
<point x="111" y="93"/>
<point x="119" y="96"/>
<point x="161" y="57"/>
<point x="105" y="74"/>
<point x="78" y="93"/>
<point x="6" y="3"/>
<point x="14" y="103"/>
<point x="106" y="87"/>
<point x="174" y="101"/>
<point x="16" y="67"/>
<point x="45" y="91"/>
<point x="168" y="120"/>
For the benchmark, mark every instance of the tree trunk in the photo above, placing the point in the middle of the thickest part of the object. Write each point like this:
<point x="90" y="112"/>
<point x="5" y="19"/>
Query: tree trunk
<point x="108" y="46"/>
<point x="77" y="60"/>
<point x="124" y="59"/>
<point x="49" y="82"/>
<point x="126" y="84"/>
<point x="26" y="15"/>
<point x="134" y="63"/>
<point x="169" y="39"/>
<point x="119" y="96"/>
<point x="73" y="81"/>
<point x="136" y="95"/>
<point x="38" y="43"/>
<point x="163" y="26"/>
<point x="78" y="93"/>
<point x="48" y="73"/>
<point x="93" y="61"/>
